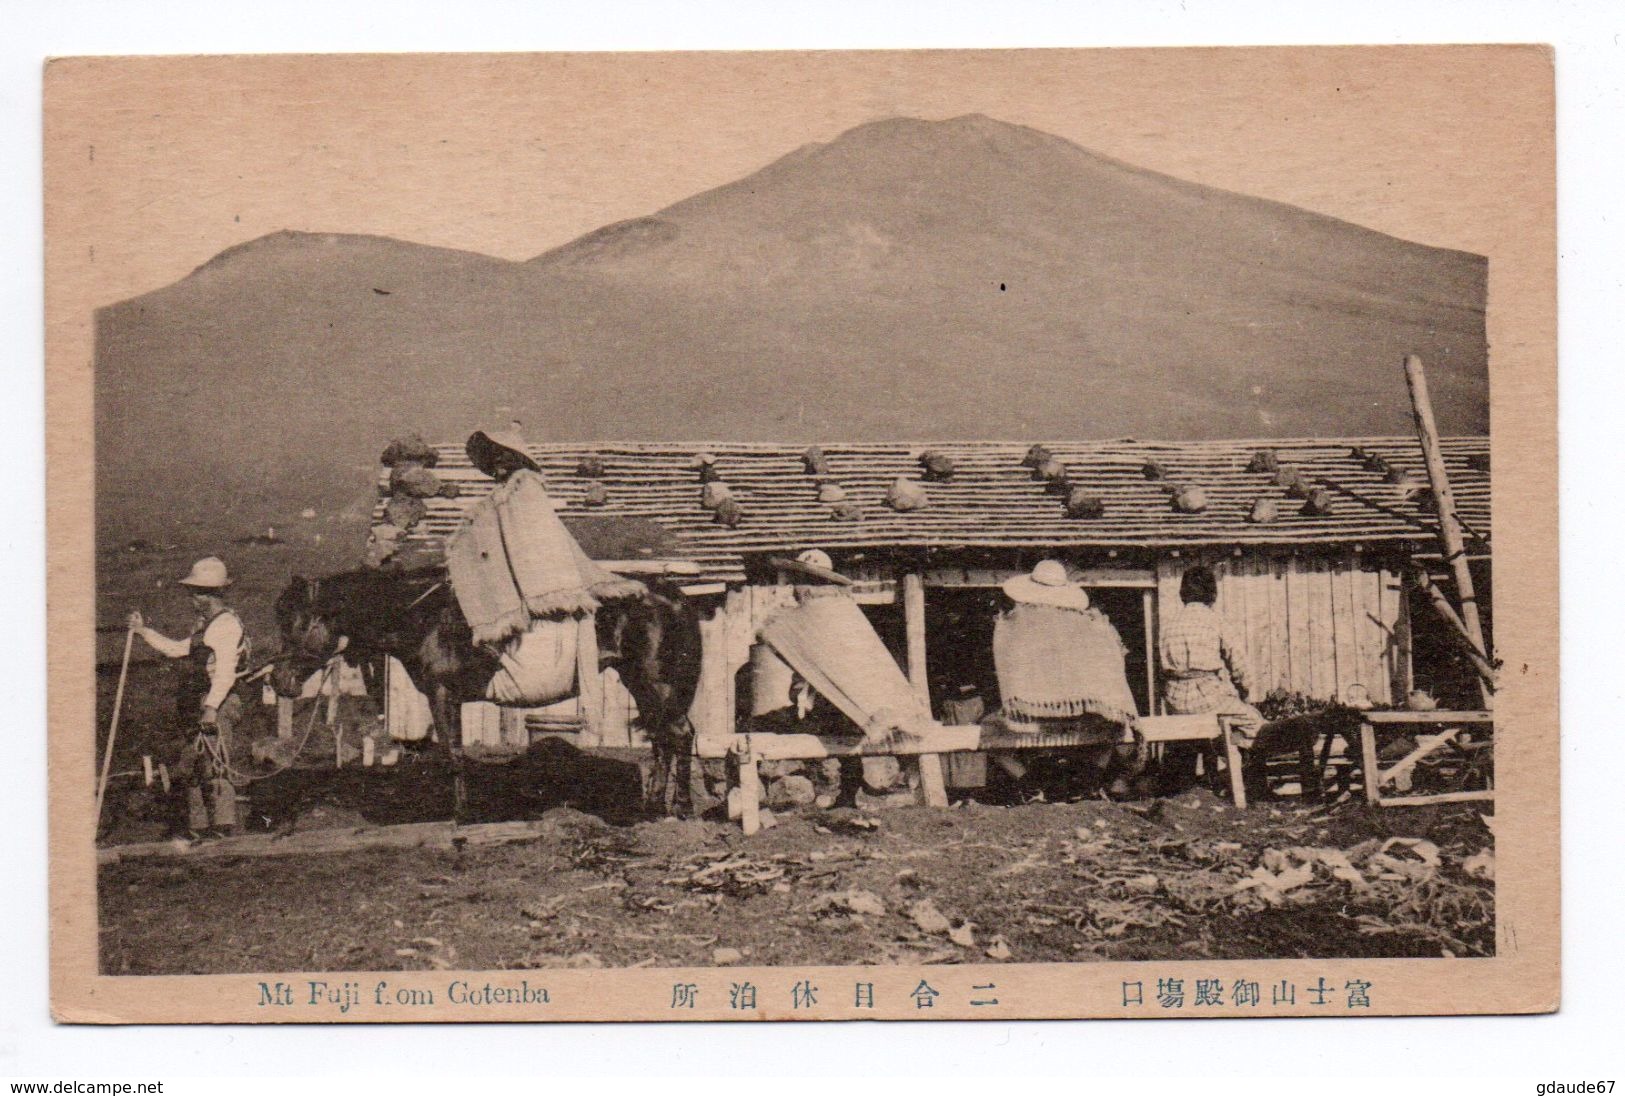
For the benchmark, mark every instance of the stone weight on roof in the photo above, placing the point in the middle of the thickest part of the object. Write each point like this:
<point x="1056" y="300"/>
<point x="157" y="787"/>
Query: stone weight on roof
<point x="993" y="502"/>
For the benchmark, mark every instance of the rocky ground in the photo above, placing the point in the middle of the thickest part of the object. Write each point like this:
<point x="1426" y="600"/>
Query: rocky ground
<point x="1187" y="877"/>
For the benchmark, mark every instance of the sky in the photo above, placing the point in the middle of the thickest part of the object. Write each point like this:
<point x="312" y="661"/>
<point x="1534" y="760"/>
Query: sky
<point x="167" y="161"/>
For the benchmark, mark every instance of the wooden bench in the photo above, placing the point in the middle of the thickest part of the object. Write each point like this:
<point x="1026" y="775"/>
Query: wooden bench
<point x="746" y="751"/>
<point x="1375" y="776"/>
<point x="1214" y="729"/>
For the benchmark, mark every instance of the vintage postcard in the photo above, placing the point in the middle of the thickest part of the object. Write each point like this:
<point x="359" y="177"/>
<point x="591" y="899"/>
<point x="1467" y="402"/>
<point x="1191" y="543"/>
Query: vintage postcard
<point x="741" y="536"/>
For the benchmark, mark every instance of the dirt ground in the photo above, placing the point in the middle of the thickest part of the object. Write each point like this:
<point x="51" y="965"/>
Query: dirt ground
<point x="1182" y="878"/>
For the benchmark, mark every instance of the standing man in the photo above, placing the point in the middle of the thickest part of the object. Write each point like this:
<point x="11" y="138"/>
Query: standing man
<point x="206" y="704"/>
<point x="1201" y="670"/>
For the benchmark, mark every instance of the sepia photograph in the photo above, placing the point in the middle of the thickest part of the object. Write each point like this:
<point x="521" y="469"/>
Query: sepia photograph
<point x="942" y="522"/>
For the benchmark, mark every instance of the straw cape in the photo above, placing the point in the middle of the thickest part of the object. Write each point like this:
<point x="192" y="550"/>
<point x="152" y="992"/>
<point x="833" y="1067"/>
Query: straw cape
<point x="513" y="560"/>
<point x="832" y="645"/>
<point x="1057" y="658"/>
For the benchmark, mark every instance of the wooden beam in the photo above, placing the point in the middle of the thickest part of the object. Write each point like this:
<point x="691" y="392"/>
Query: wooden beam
<point x="1427" y="745"/>
<point x="1427" y="431"/>
<point x="389" y="699"/>
<point x="712" y="710"/>
<point x="1178" y="728"/>
<point x="811" y="747"/>
<point x="1459" y="631"/>
<point x="650" y="566"/>
<point x="712" y="745"/>
<point x="1430" y="717"/>
<point x="932" y="786"/>
<point x="1132" y="578"/>
<point x="1430" y="800"/>
<point x="703" y="588"/>
<point x="421" y="835"/>
<point x="879" y="592"/>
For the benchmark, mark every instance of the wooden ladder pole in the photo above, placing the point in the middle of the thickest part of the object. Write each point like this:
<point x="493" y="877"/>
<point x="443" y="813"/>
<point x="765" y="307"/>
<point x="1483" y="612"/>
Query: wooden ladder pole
<point x="1455" y="552"/>
<point x="1458" y="628"/>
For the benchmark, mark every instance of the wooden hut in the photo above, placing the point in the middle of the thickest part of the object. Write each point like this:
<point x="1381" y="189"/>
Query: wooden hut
<point x="1318" y="593"/>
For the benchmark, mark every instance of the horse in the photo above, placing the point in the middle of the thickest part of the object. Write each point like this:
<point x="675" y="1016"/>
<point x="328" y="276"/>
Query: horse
<point x="652" y="640"/>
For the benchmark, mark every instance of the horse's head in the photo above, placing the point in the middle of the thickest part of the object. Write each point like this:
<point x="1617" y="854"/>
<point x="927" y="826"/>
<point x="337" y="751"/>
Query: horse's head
<point x="309" y="639"/>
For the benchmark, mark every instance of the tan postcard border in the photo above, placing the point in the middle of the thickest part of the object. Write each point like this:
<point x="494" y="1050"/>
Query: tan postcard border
<point x="1514" y="199"/>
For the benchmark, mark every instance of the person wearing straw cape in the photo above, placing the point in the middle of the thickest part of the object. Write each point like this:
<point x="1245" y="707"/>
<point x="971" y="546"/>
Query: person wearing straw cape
<point x="1056" y="655"/>
<point x="1060" y="661"/>
<point x="206" y="701"/>
<point x="522" y="581"/>
<point x="836" y="652"/>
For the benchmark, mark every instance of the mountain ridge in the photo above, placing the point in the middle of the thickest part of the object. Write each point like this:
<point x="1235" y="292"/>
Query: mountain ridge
<point x="963" y="278"/>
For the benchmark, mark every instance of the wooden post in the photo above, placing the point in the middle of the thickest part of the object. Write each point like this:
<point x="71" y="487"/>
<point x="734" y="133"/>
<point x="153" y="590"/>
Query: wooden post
<point x="1455" y="552"/>
<point x="1148" y="606"/>
<point x="284" y="717"/>
<point x="515" y="736"/>
<point x="750" y="785"/>
<point x="589" y="685"/>
<point x="1234" y="762"/>
<point x="932" y="786"/>
<point x="1402" y="640"/>
<point x="1368" y="763"/>
<point x="712" y="712"/>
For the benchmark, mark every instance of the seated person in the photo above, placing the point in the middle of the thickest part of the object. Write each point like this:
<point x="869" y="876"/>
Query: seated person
<point x="1061" y="667"/>
<point x="1202" y="672"/>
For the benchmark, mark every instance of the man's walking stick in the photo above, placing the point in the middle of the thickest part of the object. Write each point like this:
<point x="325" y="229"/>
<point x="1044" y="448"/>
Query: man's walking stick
<point x="112" y="730"/>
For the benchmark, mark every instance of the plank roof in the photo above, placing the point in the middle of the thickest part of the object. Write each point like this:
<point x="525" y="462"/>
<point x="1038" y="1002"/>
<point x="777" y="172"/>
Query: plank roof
<point x="992" y="500"/>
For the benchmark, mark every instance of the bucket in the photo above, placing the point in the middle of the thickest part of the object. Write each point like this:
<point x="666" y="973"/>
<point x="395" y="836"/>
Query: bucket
<point x="224" y="799"/>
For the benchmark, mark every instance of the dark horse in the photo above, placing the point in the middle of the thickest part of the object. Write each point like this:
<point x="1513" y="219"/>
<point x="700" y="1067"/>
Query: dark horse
<point x="652" y="641"/>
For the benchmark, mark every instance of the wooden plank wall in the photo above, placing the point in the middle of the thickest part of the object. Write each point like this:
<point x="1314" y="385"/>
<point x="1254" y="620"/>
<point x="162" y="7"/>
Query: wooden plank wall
<point x="616" y="713"/>
<point x="482" y="724"/>
<point x="1313" y="624"/>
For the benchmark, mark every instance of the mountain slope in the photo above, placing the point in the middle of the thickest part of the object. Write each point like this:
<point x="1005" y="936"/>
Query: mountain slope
<point x="964" y="278"/>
